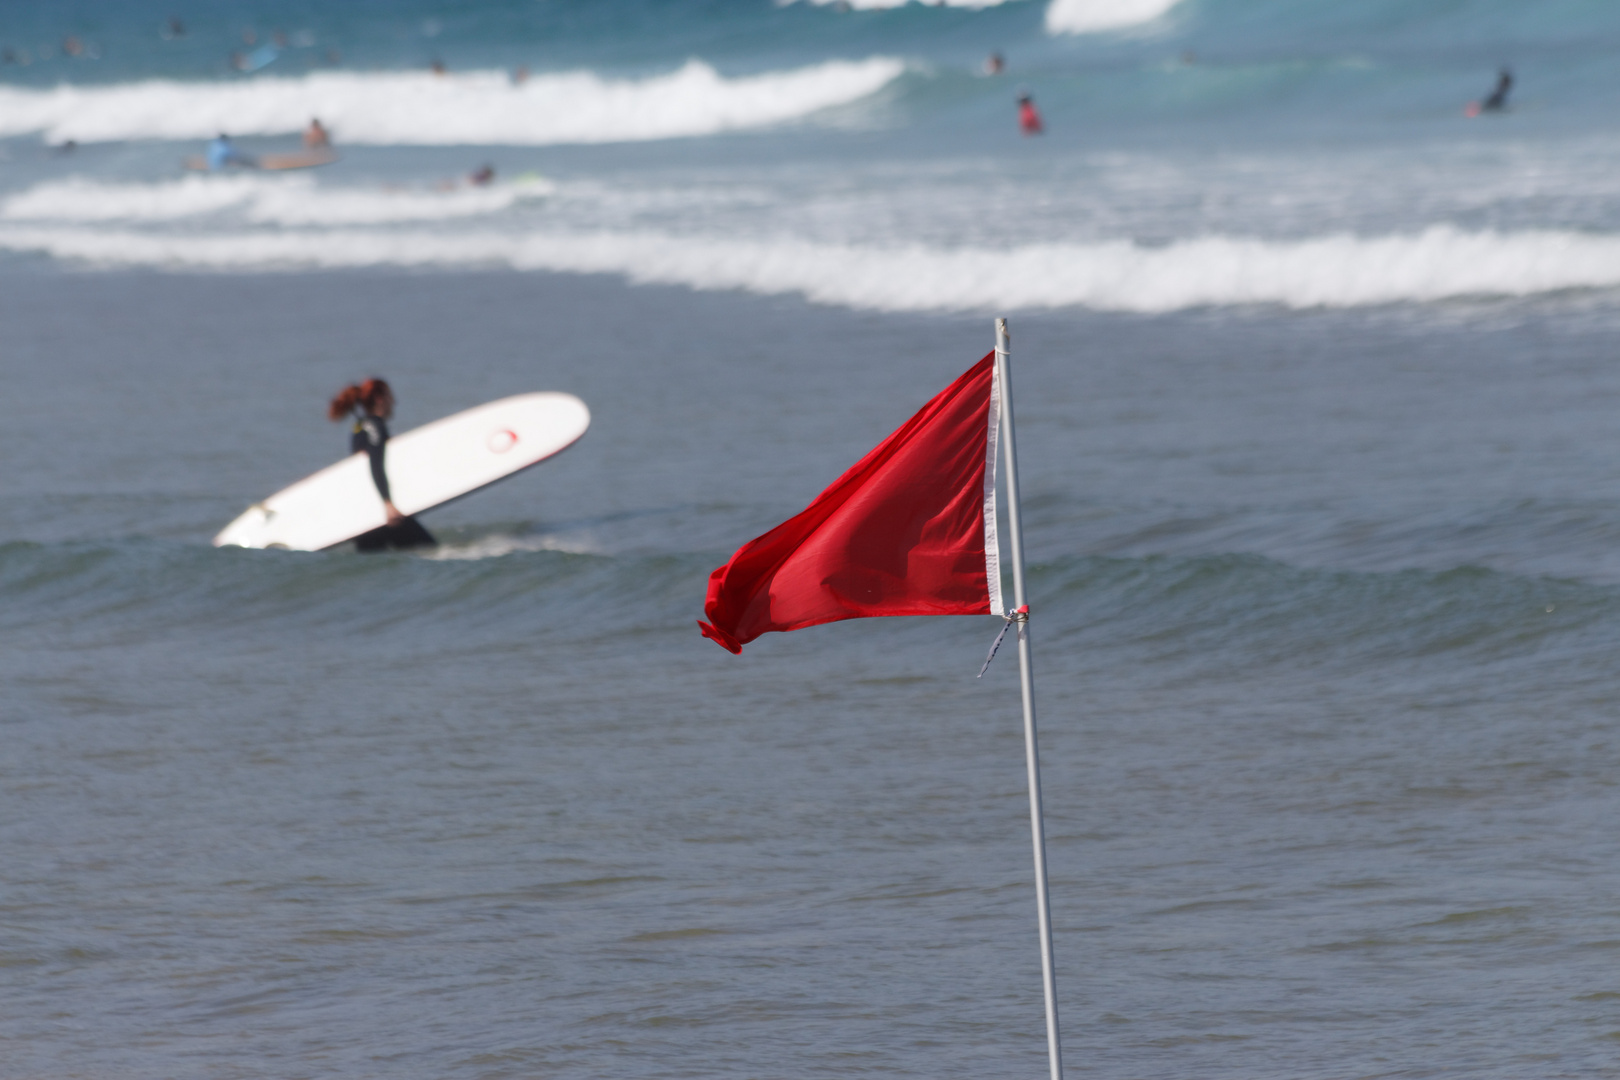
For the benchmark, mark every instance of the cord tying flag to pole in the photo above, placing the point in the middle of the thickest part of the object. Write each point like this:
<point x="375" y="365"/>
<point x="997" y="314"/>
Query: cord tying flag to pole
<point x="1019" y="616"/>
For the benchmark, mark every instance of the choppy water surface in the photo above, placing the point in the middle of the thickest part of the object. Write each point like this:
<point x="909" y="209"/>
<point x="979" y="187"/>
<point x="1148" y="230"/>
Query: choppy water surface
<point x="1326" y="614"/>
<point x="1316" y="409"/>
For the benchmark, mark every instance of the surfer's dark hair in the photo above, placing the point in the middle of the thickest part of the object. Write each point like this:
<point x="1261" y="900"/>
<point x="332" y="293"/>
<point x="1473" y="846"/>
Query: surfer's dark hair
<point x="364" y="394"/>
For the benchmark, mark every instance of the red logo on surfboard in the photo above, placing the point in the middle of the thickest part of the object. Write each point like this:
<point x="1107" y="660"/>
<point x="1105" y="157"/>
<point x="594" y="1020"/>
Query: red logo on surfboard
<point x="503" y="440"/>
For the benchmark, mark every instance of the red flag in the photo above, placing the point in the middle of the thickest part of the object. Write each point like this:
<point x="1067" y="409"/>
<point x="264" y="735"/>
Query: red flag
<point x="909" y="530"/>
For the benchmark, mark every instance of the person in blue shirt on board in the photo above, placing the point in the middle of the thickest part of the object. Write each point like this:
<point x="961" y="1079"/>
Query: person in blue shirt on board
<point x="222" y="153"/>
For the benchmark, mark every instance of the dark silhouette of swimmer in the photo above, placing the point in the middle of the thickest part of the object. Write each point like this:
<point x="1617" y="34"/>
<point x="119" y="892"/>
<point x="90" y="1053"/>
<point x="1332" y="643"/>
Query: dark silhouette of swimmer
<point x="482" y="176"/>
<point x="1498" y="99"/>
<point x="371" y="403"/>
<point x="1029" y="120"/>
<point x="1497" y="102"/>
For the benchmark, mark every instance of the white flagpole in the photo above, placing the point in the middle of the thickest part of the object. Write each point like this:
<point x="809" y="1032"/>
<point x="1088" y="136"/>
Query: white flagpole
<point x="1026" y="676"/>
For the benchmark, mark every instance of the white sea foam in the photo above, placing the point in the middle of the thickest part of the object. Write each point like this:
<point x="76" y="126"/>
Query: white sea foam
<point x="1090" y="16"/>
<point x="86" y="200"/>
<point x="498" y="545"/>
<point x="1331" y="271"/>
<point x="872" y="5"/>
<point x="291" y="200"/>
<point x="423" y="109"/>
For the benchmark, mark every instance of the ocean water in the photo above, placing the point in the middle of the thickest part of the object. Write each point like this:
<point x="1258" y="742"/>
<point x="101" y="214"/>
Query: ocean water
<point x="1317" y="402"/>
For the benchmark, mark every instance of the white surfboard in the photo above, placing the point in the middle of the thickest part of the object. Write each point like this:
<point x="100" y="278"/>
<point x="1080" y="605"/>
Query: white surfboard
<point x="427" y="467"/>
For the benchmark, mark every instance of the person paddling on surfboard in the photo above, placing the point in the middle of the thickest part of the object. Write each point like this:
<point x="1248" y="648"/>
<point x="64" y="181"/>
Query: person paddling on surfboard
<point x="223" y="153"/>
<point x="371" y="403"/>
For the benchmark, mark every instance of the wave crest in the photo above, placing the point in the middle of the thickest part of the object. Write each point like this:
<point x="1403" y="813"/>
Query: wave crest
<point x="1334" y="271"/>
<point x="875" y="5"/>
<point x="292" y="200"/>
<point x="1091" y="16"/>
<point x="423" y="109"/>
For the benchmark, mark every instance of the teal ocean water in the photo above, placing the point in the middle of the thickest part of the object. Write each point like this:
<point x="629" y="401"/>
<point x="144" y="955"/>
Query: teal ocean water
<point x="1316" y="424"/>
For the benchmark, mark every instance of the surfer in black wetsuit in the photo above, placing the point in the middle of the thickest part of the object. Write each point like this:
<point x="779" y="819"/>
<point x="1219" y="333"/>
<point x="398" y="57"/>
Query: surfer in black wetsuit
<point x="371" y="403"/>
<point x="1497" y="102"/>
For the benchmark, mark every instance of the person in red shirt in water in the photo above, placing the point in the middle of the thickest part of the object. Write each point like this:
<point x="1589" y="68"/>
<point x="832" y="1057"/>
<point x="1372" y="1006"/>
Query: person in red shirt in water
<point x="1029" y="121"/>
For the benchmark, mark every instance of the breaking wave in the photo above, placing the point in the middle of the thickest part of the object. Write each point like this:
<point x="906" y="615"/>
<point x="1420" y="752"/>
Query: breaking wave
<point x="873" y="5"/>
<point x="1062" y="16"/>
<point x="423" y="109"/>
<point x="1090" y="16"/>
<point x="293" y="200"/>
<point x="1438" y="263"/>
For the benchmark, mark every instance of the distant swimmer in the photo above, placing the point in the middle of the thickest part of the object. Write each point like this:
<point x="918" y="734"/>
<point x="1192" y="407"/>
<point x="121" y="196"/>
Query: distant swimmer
<point x="316" y="137"/>
<point x="437" y="67"/>
<point x="483" y="176"/>
<point x="222" y="154"/>
<point x="1497" y="102"/>
<point x="371" y="404"/>
<point x="994" y="64"/>
<point x="175" y="29"/>
<point x="1029" y="120"/>
<point x="520" y="75"/>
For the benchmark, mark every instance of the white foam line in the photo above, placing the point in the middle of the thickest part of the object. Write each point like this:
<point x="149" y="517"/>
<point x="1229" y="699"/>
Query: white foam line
<point x="282" y="200"/>
<point x="1331" y="271"/>
<point x="423" y="109"/>
<point x="876" y="5"/>
<point x="498" y="545"/>
<point x="1095" y="16"/>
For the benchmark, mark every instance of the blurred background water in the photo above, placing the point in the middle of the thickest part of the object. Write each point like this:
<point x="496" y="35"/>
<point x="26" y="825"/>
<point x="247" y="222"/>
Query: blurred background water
<point x="1316" y="399"/>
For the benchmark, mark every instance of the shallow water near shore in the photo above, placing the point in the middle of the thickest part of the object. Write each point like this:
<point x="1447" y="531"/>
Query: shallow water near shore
<point x="1325" y="611"/>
